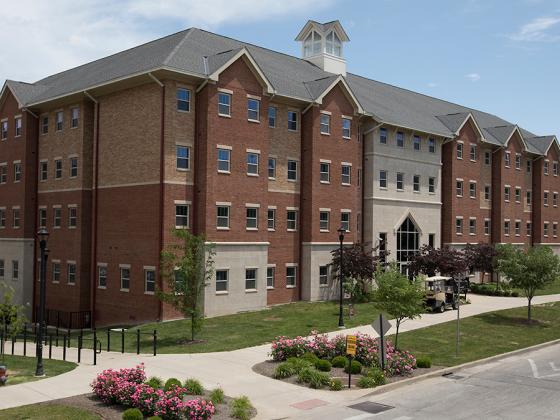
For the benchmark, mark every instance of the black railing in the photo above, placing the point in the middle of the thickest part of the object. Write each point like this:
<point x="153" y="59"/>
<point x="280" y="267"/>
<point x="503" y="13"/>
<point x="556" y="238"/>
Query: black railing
<point x="67" y="319"/>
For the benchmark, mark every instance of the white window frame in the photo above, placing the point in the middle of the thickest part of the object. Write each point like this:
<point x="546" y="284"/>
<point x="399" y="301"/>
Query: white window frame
<point x="149" y="269"/>
<point x="346" y="213"/>
<point x="325" y="176"/>
<point x="294" y="276"/>
<point x="102" y="267"/>
<point x="223" y="217"/>
<point x="255" y="272"/>
<point x="185" y="159"/>
<point x="74" y="117"/>
<point x="181" y="100"/>
<point x="221" y="281"/>
<point x="180" y="204"/>
<point x="253" y="109"/>
<point x="224" y="107"/>
<point x="253" y="168"/>
<point x="271" y="221"/>
<point x="348" y="177"/>
<point x="292" y="171"/>
<point x="294" y="221"/>
<point x="122" y="269"/>
<point x="324" y="220"/>
<point x="346" y="131"/>
<point x="324" y="277"/>
<point x="325" y="124"/>
<point x="383" y="174"/>
<point x="252" y="222"/>
<point x="72" y="216"/>
<point x="293" y="122"/>
<point x="270" y="268"/>
<point x="227" y="150"/>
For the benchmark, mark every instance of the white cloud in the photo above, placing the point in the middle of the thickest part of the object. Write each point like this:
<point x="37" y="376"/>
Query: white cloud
<point x="40" y="38"/>
<point x="473" y="77"/>
<point x="537" y="30"/>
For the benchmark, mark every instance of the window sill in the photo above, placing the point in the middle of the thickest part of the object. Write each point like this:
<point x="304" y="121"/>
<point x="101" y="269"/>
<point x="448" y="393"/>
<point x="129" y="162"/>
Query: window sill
<point x="325" y="134"/>
<point x="290" y="287"/>
<point x="251" y="229"/>
<point x="184" y="111"/>
<point x="269" y="287"/>
<point x="252" y="174"/>
<point x="323" y="286"/>
<point x="54" y="282"/>
<point x="458" y="234"/>
<point x="292" y="180"/>
<point x="182" y="169"/>
<point x="253" y="121"/>
<point x="224" y="115"/>
<point x="148" y="293"/>
<point x="324" y="230"/>
<point x="222" y="293"/>
<point x="73" y="177"/>
<point x="71" y="227"/>
<point x="472" y="234"/>
<point x="272" y="178"/>
<point x="400" y="190"/>
<point x="181" y="227"/>
<point x="383" y="188"/>
<point x="224" y="172"/>
<point x="71" y="284"/>
<point x="102" y="287"/>
<point x="291" y="230"/>
<point x="125" y="290"/>
<point x="57" y="178"/>
<point x="416" y="192"/>
<point x="325" y="182"/>
<point x="271" y="230"/>
<point x="346" y="185"/>
<point x="347" y="138"/>
<point x="251" y="291"/>
<point x="56" y="227"/>
<point x="292" y="131"/>
<point x="221" y="228"/>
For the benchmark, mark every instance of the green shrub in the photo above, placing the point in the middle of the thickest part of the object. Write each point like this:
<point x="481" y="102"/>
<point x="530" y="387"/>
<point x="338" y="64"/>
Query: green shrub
<point x="317" y="379"/>
<point x="323" y="365"/>
<point x="170" y="383"/>
<point x="310" y="357"/>
<point x="335" y="385"/>
<point x="366" y="382"/>
<point x="299" y="364"/>
<point x="284" y="370"/>
<point x="155" y="418"/>
<point x="193" y="386"/>
<point x="132" y="414"/>
<point x="339" y="362"/>
<point x="155" y="382"/>
<point x="217" y="396"/>
<point x="241" y="408"/>
<point x="304" y="376"/>
<point x="377" y="375"/>
<point x="424" y="362"/>
<point x="355" y="368"/>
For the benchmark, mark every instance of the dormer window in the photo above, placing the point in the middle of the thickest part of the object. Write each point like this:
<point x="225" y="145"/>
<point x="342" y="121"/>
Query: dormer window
<point x="334" y="45"/>
<point x="312" y="44"/>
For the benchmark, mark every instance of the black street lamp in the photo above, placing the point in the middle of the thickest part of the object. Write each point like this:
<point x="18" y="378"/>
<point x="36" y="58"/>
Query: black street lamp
<point x="341" y="231"/>
<point x="43" y="235"/>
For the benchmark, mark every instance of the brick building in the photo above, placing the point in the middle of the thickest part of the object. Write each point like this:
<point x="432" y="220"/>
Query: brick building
<point x="264" y="153"/>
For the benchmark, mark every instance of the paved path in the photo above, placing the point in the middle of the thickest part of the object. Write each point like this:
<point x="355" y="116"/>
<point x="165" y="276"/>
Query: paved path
<point x="231" y="370"/>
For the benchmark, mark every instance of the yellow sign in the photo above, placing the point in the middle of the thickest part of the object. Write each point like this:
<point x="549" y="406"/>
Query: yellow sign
<point x="351" y="345"/>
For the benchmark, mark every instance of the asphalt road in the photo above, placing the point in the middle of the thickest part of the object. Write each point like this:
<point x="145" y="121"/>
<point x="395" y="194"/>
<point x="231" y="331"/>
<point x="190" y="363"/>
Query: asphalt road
<point x="525" y="386"/>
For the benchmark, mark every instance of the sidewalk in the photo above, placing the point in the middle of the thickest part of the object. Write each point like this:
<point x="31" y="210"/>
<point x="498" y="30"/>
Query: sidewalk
<point x="230" y="370"/>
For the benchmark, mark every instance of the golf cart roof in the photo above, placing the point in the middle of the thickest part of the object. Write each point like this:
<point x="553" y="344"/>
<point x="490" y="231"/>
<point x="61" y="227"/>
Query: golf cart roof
<point x="436" y="278"/>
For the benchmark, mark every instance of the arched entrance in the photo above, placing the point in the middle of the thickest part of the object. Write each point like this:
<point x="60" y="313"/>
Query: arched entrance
<point x="408" y="242"/>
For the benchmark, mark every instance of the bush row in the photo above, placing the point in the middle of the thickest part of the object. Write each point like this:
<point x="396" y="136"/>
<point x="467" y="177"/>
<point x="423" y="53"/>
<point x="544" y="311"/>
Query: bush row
<point x="492" y="290"/>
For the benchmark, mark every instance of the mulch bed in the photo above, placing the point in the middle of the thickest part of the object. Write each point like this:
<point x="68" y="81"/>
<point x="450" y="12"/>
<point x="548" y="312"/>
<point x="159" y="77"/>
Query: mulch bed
<point x="268" y="367"/>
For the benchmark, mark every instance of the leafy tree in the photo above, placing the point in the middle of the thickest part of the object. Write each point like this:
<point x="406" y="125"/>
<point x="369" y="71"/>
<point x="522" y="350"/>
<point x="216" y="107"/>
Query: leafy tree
<point x="528" y="270"/>
<point x="481" y="257"/>
<point x="398" y="296"/>
<point x="446" y="261"/>
<point x="187" y="266"/>
<point x="12" y="316"/>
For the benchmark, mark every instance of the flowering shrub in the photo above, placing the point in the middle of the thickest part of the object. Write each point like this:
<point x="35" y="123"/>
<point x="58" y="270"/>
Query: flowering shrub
<point x="321" y="346"/>
<point x="114" y="386"/>
<point x="283" y="348"/>
<point x="199" y="409"/>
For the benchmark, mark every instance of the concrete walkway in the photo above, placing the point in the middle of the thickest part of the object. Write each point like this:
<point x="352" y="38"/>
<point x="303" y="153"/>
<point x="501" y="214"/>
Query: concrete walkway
<point x="230" y="370"/>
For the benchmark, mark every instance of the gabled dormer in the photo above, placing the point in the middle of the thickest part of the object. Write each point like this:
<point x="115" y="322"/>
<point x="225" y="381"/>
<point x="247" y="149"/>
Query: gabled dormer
<point x="322" y="45"/>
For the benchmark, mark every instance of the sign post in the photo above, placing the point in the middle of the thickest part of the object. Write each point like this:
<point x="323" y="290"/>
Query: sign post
<point x="381" y="326"/>
<point x="350" y="352"/>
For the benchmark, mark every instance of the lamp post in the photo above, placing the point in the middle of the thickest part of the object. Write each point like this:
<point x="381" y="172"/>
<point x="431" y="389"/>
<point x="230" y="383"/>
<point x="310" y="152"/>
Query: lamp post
<point x="43" y="235"/>
<point x="341" y="232"/>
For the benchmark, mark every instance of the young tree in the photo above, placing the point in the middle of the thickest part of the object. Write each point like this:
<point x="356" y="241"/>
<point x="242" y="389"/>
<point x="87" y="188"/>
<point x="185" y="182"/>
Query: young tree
<point x="528" y="270"/>
<point x="398" y="296"/>
<point x="187" y="266"/>
<point x="12" y="316"/>
<point x="481" y="257"/>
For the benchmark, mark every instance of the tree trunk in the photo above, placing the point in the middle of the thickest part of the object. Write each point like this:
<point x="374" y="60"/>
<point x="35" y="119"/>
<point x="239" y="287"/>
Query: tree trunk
<point x="192" y="326"/>
<point x="397" y="335"/>
<point x="482" y="273"/>
<point x="529" y="309"/>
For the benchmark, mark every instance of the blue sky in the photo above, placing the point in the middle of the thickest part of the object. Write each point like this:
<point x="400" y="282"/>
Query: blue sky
<point x="500" y="56"/>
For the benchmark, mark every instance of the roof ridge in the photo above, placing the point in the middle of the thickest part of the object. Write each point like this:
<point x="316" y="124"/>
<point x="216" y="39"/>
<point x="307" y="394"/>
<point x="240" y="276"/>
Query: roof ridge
<point x="179" y="44"/>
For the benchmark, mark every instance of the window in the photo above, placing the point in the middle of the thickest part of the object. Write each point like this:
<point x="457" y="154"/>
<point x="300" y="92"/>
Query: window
<point x="517" y="228"/>
<point x="431" y="145"/>
<point x="222" y="280"/>
<point x="224" y="104"/>
<point x="555" y="168"/>
<point x="545" y="167"/>
<point x="487" y="158"/>
<point x="323" y="275"/>
<point x="182" y="215"/>
<point x="325" y="169"/>
<point x="292" y="170"/>
<point x="270" y="277"/>
<point x="459" y="226"/>
<point x="183" y="99"/>
<point x="528" y="196"/>
<point x="253" y="109"/>
<point x="382" y="179"/>
<point x="472" y="226"/>
<point x="506" y="193"/>
<point x="518" y="161"/>
<point x="251" y="218"/>
<point x="58" y="169"/>
<point x="45" y="124"/>
<point x="555" y="199"/>
<point x="42" y="217"/>
<point x="56" y="272"/>
<point x="545" y="229"/>
<point x="416" y="142"/>
<point x="416" y="183"/>
<point x="400" y="139"/>
<point x="473" y="152"/>
<point x="183" y="157"/>
<point x="222" y="217"/>
<point x="345" y="220"/>
<point x="252" y="163"/>
<point x="43" y="171"/>
<point x="545" y="198"/>
<point x="291" y="220"/>
<point x="292" y="120"/>
<point x="529" y="165"/>
<point x="459" y="150"/>
<point x="57" y="217"/>
<point x="71" y="270"/>
<point x="472" y="189"/>
<point x="431" y="185"/>
<point x="75" y="117"/>
<point x="346" y="128"/>
<point x="325" y="124"/>
<point x="59" y="120"/>
<point x="383" y="246"/>
<point x="486" y="226"/>
<point x="529" y="228"/>
<point x="15" y="269"/>
<point x="102" y="276"/>
<point x="346" y="174"/>
<point x="555" y="229"/>
<point x="3" y="173"/>
<point x="517" y="195"/>
<point x="400" y="181"/>
<point x="324" y="221"/>
<point x="17" y="171"/>
<point x="271" y="168"/>
<point x="507" y="159"/>
<point x="125" y="278"/>
<point x="291" y="276"/>
<point x="271" y="219"/>
<point x="333" y="45"/>
<point x="250" y="279"/>
<point x="224" y="160"/>
<point x="2" y="218"/>
<point x="4" y="130"/>
<point x="383" y="135"/>
<point x="272" y="111"/>
<point x="408" y="243"/>
<point x="15" y="218"/>
<point x="1" y="269"/>
<point x="149" y="281"/>
<point x="73" y="167"/>
<point x="431" y="240"/>
<point x="312" y="44"/>
<point x="18" y="127"/>
<point x="506" y="227"/>
<point x="487" y="192"/>
<point x="459" y="188"/>
<point x="72" y="217"/>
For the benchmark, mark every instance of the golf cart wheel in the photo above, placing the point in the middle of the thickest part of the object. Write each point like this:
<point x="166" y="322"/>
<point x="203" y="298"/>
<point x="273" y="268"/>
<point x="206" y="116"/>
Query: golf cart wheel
<point x="442" y="309"/>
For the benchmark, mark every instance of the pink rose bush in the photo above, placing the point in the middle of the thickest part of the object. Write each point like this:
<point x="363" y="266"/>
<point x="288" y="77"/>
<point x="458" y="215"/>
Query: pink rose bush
<point x="127" y="387"/>
<point x="367" y="351"/>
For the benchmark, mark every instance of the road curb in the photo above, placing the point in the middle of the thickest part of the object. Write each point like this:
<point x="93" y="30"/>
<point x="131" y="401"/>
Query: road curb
<point x="451" y="369"/>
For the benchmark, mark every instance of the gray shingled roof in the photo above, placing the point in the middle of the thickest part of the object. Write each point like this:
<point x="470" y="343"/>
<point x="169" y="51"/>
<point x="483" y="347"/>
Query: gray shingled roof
<point x="188" y="51"/>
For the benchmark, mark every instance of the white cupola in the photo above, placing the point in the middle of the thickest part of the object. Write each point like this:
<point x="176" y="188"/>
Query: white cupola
<point x="322" y="45"/>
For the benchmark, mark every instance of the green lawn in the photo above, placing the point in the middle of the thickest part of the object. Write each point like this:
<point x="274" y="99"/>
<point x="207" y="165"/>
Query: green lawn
<point x="551" y="289"/>
<point x="484" y="335"/>
<point x="242" y="330"/>
<point x="47" y="411"/>
<point x="22" y="369"/>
